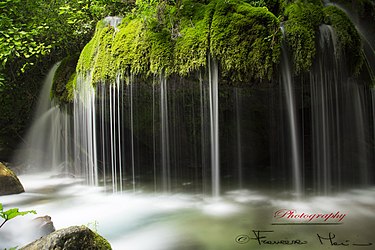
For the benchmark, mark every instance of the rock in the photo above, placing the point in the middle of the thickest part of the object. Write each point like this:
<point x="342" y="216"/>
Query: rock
<point x="9" y="183"/>
<point x="70" y="238"/>
<point x="43" y="226"/>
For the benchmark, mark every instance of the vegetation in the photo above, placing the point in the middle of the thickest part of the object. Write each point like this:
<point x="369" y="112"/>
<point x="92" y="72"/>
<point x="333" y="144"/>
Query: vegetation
<point x="11" y="214"/>
<point x="301" y="26"/>
<point x="177" y="39"/>
<point x="35" y="34"/>
<point x="348" y="39"/>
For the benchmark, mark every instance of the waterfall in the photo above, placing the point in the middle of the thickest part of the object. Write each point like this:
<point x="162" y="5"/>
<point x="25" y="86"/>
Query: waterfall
<point x="288" y="85"/>
<point x="163" y="133"/>
<point x="237" y="93"/>
<point x="214" y="121"/>
<point x="339" y="125"/>
<point x="113" y="21"/>
<point x="367" y="38"/>
<point x="165" y="158"/>
<point x="85" y="149"/>
<point x="47" y="143"/>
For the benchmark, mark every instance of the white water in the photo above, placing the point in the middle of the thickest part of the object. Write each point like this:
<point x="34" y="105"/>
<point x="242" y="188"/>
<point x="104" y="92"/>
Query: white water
<point x="339" y="119"/>
<point x="237" y="93"/>
<point x="214" y="122"/>
<point x="113" y="21"/>
<point x="47" y="143"/>
<point x="287" y="82"/>
<point x="165" y="157"/>
<point x="167" y="222"/>
<point x="85" y="143"/>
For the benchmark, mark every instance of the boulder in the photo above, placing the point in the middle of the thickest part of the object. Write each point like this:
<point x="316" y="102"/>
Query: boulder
<point x="71" y="238"/>
<point x="9" y="183"/>
<point x="42" y="226"/>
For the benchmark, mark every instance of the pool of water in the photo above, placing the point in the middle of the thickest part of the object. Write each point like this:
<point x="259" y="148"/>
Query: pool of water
<point x="240" y="219"/>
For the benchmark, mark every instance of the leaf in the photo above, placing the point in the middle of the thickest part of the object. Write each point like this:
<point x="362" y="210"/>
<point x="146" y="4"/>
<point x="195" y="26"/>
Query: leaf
<point x="13" y="212"/>
<point x="1" y="207"/>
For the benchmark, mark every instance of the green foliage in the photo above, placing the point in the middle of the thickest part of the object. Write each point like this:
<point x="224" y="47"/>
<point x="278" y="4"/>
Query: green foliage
<point x="348" y="40"/>
<point x="12" y="213"/>
<point x="34" y="34"/>
<point x="303" y="20"/>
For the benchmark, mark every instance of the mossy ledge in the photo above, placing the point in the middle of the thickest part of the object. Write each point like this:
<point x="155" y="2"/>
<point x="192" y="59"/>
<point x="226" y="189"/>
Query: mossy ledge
<point x="244" y="36"/>
<point x="177" y="39"/>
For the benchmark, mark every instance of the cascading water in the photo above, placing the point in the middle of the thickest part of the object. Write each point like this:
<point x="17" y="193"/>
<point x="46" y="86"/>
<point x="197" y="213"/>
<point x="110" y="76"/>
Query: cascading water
<point x="47" y="144"/>
<point x="339" y="124"/>
<point x="133" y="135"/>
<point x="287" y="83"/>
<point x="165" y="157"/>
<point x="214" y="120"/>
<point x="367" y="37"/>
<point x="85" y="143"/>
<point x="237" y="97"/>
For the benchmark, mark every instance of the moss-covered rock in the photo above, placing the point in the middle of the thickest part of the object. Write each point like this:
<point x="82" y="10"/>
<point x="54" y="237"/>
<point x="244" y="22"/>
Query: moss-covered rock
<point x="348" y="40"/>
<point x="71" y="238"/>
<point x="9" y="183"/>
<point x="245" y="39"/>
<point x="64" y="80"/>
<point x="177" y="39"/>
<point x="168" y="38"/>
<point x="303" y="19"/>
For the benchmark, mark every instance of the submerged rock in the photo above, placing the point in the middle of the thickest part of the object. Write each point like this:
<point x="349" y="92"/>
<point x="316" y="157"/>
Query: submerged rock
<point x="9" y="183"/>
<point x="43" y="226"/>
<point x="71" y="238"/>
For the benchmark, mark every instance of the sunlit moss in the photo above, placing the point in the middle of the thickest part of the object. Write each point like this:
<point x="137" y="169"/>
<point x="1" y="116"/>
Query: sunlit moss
<point x="244" y="36"/>
<point x="130" y="50"/>
<point x="190" y="52"/>
<point x="178" y="40"/>
<point x="245" y="39"/>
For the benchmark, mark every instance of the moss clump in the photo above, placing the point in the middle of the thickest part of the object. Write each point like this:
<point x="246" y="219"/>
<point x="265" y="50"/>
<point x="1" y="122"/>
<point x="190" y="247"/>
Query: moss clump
<point x="245" y="39"/>
<point x="176" y="39"/>
<point x="64" y="80"/>
<point x="243" y="35"/>
<point x="303" y="19"/>
<point x="191" y="47"/>
<point x="130" y="50"/>
<point x="348" y="40"/>
<point x="89" y="52"/>
<point x="100" y="242"/>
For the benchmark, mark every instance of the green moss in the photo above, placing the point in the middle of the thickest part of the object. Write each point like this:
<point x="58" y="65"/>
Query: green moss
<point x="245" y="39"/>
<point x="190" y="52"/>
<point x="88" y="54"/>
<point x="130" y="50"/>
<point x="161" y="52"/>
<point x="70" y="86"/>
<point x="64" y="80"/>
<point x="101" y="242"/>
<point x="176" y="39"/>
<point x="303" y="19"/>
<point x="348" y="40"/>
